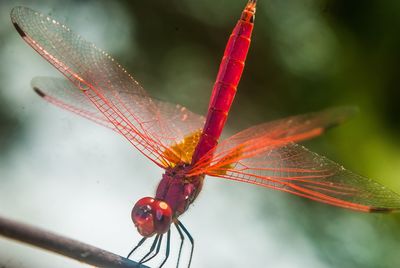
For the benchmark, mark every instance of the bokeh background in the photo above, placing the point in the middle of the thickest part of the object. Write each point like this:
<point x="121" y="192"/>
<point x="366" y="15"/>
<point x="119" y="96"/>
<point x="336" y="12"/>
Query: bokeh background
<point x="70" y="176"/>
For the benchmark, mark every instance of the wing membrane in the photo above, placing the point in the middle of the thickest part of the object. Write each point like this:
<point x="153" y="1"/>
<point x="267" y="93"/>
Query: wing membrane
<point x="151" y="126"/>
<point x="266" y="155"/>
<point x="264" y="137"/>
<point x="294" y="169"/>
<point x="64" y="94"/>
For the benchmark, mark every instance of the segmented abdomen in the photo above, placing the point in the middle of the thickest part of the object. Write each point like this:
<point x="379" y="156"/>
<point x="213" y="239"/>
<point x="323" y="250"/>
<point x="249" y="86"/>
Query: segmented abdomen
<point x="224" y="90"/>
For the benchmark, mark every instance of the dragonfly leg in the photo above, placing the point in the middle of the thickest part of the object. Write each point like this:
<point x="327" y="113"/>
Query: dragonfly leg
<point x="180" y="247"/>
<point x="137" y="246"/>
<point x="190" y="239"/>
<point x="157" y="250"/>
<point x="153" y="246"/>
<point x="167" y="249"/>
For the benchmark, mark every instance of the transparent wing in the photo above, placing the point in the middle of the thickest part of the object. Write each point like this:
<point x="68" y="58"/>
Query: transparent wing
<point x="294" y="169"/>
<point x="151" y="126"/>
<point x="266" y="155"/>
<point x="264" y="137"/>
<point x="66" y="95"/>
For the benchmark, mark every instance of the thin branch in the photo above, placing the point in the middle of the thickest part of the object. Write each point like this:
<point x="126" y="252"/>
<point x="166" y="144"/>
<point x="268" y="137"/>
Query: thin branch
<point x="63" y="245"/>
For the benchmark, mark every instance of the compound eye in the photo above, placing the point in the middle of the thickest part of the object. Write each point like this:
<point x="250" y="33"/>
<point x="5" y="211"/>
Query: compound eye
<point x="159" y="215"/>
<point x="142" y="213"/>
<point x="151" y="216"/>
<point x="142" y="216"/>
<point x="163" y="217"/>
<point x="145" y="201"/>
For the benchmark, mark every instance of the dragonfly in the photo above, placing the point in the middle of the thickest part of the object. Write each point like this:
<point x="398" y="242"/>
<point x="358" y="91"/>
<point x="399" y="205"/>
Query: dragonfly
<point x="186" y="145"/>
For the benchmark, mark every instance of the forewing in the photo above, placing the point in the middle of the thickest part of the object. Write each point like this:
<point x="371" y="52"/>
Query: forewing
<point x="150" y="125"/>
<point x="294" y="169"/>
<point x="64" y="94"/>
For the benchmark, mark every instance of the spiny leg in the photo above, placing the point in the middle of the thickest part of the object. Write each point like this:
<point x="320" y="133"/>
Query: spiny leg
<point x="180" y="247"/>
<point x="157" y="250"/>
<point x="153" y="246"/>
<point x="138" y="245"/>
<point x="167" y="249"/>
<point x="190" y="239"/>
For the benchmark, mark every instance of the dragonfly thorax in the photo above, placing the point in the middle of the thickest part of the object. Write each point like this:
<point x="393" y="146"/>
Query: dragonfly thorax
<point x="178" y="189"/>
<point x="151" y="216"/>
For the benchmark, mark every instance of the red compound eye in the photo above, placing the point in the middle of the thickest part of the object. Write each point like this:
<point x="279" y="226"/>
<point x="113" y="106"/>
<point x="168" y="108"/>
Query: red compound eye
<point x="163" y="216"/>
<point x="142" y="216"/>
<point x="151" y="216"/>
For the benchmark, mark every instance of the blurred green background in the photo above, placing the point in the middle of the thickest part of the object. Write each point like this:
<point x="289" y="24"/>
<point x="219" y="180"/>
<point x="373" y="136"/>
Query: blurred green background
<point x="306" y="55"/>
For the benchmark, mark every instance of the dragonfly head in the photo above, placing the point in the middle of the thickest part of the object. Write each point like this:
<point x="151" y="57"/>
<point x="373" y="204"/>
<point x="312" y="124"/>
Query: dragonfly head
<point x="151" y="216"/>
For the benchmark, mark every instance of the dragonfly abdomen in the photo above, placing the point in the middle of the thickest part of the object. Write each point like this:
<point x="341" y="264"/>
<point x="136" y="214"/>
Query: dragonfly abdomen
<point x="229" y="74"/>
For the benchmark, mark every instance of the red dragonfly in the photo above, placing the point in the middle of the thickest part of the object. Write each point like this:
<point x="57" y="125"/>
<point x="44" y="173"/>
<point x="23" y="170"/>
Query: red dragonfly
<point x="185" y="144"/>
